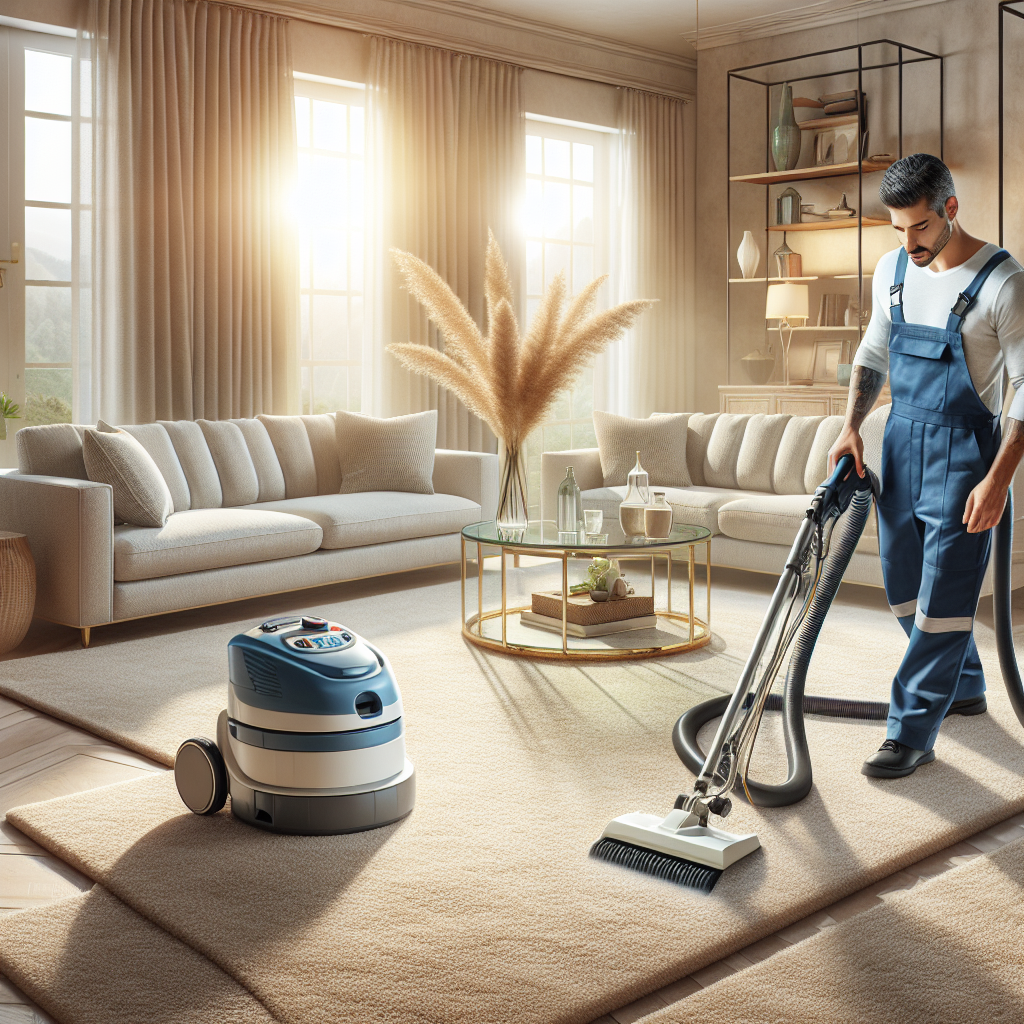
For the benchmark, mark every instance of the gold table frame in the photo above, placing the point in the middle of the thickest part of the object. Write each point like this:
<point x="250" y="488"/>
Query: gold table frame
<point x="699" y="634"/>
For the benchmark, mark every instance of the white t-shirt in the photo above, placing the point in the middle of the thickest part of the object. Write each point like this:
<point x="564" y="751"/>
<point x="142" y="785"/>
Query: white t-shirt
<point x="992" y="332"/>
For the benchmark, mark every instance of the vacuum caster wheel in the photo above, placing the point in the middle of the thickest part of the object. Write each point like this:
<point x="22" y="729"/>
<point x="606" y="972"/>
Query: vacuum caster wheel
<point x="200" y="776"/>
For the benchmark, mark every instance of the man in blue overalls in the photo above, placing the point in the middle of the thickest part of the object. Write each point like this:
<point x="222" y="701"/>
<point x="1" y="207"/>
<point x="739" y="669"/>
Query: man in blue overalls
<point x="947" y="318"/>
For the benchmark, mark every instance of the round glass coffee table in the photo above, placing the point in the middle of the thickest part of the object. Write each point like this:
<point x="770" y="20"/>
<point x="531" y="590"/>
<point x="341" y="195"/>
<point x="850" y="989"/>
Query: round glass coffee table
<point x="521" y="630"/>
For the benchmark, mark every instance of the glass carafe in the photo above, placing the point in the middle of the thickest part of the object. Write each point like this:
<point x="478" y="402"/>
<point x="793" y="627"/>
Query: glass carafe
<point x="570" y="504"/>
<point x="658" y="517"/>
<point x="631" y="511"/>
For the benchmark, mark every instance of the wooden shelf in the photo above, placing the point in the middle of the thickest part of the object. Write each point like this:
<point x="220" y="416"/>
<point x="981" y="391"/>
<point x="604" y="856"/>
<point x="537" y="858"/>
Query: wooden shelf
<point x="823" y="328"/>
<point x="806" y="173"/>
<point x="832" y="225"/>
<point x="827" y="122"/>
<point x="768" y="280"/>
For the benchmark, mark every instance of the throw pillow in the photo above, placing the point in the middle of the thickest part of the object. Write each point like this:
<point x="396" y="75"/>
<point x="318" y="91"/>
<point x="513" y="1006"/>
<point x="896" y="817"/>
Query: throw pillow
<point x="141" y="496"/>
<point x="660" y="440"/>
<point x="395" y="454"/>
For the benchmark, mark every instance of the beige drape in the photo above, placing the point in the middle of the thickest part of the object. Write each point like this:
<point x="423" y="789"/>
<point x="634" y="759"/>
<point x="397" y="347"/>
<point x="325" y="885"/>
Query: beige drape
<point x="194" y="256"/>
<point x="447" y="163"/>
<point x="653" y="252"/>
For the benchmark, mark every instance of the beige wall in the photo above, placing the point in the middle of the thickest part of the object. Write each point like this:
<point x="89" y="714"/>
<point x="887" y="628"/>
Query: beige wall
<point x="51" y="12"/>
<point x="965" y="31"/>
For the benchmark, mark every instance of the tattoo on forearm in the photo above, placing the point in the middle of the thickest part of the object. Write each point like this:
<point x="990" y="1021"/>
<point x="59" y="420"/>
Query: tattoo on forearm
<point x="865" y="387"/>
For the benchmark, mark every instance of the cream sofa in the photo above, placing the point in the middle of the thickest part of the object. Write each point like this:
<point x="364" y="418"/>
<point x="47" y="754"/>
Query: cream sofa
<point x="219" y="544"/>
<point x="752" y="478"/>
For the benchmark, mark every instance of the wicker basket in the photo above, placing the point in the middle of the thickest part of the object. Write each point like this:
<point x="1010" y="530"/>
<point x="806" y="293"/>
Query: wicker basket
<point x="585" y="612"/>
<point x="17" y="589"/>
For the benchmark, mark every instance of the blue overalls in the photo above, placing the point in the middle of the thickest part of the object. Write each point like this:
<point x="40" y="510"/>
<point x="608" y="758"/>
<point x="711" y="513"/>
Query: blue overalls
<point x="939" y="442"/>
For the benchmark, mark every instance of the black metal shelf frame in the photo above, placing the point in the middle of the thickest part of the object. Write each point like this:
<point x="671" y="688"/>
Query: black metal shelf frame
<point x="916" y="56"/>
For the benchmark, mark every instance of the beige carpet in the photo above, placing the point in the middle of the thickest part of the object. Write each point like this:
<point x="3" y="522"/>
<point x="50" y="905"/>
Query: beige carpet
<point x="947" y="951"/>
<point x="482" y="906"/>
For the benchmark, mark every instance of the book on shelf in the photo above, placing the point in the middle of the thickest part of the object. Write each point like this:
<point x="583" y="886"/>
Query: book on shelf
<point x="832" y="310"/>
<point x="553" y="625"/>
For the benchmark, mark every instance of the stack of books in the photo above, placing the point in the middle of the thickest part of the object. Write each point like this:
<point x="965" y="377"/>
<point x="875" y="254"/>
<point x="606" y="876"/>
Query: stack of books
<point x="587" y="618"/>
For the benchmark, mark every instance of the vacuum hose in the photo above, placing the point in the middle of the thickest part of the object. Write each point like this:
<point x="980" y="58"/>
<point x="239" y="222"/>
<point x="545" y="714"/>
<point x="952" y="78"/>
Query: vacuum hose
<point x="794" y="703"/>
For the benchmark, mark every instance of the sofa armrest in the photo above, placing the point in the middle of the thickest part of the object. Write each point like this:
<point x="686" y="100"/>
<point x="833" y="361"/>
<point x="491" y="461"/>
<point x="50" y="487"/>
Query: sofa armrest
<point x="70" y="529"/>
<point x="472" y="475"/>
<point x="586" y="467"/>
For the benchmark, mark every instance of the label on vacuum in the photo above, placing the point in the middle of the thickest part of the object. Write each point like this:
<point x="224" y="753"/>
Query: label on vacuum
<point x="322" y="642"/>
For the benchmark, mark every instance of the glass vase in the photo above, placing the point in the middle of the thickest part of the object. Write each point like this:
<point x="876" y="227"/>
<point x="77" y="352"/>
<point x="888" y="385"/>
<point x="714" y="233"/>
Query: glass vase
<point x="638" y="493"/>
<point x="512" y="517"/>
<point x="570" y="504"/>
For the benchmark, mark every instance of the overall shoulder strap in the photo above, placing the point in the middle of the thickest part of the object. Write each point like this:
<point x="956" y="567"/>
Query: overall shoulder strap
<point x="896" y="291"/>
<point x="970" y="293"/>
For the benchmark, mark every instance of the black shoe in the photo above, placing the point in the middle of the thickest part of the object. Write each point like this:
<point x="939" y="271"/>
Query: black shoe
<point x="971" y="706"/>
<point x="893" y="760"/>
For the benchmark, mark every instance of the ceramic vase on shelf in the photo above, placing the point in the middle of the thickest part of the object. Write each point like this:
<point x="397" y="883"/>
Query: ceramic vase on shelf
<point x="512" y="518"/>
<point x="786" y="134"/>
<point x="748" y="255"/>
<point x="638" y="493"/>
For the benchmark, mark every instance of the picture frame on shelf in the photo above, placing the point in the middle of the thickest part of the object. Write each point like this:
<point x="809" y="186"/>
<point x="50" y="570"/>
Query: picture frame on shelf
<point x="827" y="357"/>
<point x="824" y="147"/>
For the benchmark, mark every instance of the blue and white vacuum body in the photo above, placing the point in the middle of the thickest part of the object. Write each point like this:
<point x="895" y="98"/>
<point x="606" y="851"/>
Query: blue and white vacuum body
<point x="313" y="738"/>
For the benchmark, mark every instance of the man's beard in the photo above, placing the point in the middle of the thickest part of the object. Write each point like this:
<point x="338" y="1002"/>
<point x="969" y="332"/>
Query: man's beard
<point x="939" y="246"/>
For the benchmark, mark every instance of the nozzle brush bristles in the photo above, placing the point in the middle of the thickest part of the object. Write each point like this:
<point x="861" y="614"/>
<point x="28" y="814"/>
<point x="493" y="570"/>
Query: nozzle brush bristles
<point x="658" y="865"/>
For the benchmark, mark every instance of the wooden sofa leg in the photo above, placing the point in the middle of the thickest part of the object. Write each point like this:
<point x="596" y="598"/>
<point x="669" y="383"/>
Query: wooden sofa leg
<point x="85" y="632"/>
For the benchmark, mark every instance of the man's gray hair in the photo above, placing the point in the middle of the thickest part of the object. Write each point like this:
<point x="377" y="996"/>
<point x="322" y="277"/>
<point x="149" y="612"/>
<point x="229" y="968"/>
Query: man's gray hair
<point x="916" y="177"/>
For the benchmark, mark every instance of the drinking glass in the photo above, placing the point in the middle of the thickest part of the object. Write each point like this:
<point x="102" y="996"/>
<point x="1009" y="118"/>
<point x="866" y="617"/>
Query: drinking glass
<point x="593" y="518"/>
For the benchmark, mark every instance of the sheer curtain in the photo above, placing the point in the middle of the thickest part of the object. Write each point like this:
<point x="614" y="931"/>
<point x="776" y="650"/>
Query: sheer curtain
<point x="646" y="371"/>
<point x="446" y="145"/>
<point x="194" y="255"/>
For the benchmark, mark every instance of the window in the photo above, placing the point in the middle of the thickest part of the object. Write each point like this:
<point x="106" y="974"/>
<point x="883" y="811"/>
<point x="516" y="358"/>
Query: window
<point x="331" y="141"/>
<point x="566" y="220"/>
<point x="47" y="119"/>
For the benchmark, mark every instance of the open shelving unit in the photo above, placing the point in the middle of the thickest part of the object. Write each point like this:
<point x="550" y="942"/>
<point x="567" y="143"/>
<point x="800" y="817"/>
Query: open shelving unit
<point x="884" y="72"/>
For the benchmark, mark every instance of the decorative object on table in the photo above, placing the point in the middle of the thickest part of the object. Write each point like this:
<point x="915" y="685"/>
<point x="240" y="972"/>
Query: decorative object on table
<point x="570" y="504"/>
<point x="583" y="611"/>
<point x="9" y="411"/>
<point x="604" y="581"/>
<point x="832" y="310"/>
<point x="759" y="365"/>
<point x="785" y="301"/>
<point x="842" y="211"/>
<point x="748" y="255"/>
<point x="843" y="373"/>
<point x="788" y="263"/>
<point x="638" y="493"/>
<point x="658" y="518"/>
<point x="824" y="147"/>
<point x="509" y="381"/>
<point x="593" y="520"/>
<point x="786" y="135"/>
<point x="17" y="589"/>
<point x="787" y="207"/>
<point x="826" y="360"/>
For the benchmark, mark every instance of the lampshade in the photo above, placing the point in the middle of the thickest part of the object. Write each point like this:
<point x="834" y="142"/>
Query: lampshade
<point x="786" y="300"/>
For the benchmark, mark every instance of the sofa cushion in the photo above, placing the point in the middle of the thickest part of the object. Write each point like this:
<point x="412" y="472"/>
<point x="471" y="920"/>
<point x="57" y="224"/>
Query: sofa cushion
<point x="157" y="442"/>
<point x="210" y="539"/>
<point x="393" y="454"/>
<point x="375" y="517"/>
<point x="238" y="481"/>
<point x="140" y="493"/>
<point x="758" y="451"/>
<point x="794" y="450"/>
<point x="294" y="453"/>
<point x="196" y="462"/>
<point x="264" y="459"/>
<point x="691" y="506"/>
<point x="661" y="441"/>
<point x="817" y="462"/>
<point x="724" y="449"/>
<point x="698" y="432"/>
<point x="51" y="449"/>
<point x="323" y="443"/>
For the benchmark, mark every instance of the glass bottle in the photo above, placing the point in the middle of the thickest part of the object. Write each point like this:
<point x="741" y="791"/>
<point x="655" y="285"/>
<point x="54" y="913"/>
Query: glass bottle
<point x="570" y="504"/>
<point x="631" y="511"/>
<point x="658" y="517"/>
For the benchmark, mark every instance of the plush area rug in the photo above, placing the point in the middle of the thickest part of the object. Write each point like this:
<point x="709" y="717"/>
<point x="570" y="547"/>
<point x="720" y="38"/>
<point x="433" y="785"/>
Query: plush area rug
<point x="482" y="906"/>
<point x="949" y="950"/>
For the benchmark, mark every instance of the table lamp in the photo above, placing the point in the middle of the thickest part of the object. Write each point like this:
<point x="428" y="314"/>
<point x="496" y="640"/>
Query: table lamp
<point x="786" y="301"/>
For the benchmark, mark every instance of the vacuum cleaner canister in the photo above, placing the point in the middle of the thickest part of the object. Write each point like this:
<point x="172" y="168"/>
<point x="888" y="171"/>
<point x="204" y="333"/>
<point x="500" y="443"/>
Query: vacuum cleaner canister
<point x="312" y="741"/>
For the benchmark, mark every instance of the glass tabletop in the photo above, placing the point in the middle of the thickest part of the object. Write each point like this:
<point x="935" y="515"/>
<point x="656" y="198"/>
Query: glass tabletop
<point x="545" y="534"/>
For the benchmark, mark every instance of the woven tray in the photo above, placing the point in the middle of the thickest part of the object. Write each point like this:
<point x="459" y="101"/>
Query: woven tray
<point x="585" y="612"/>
